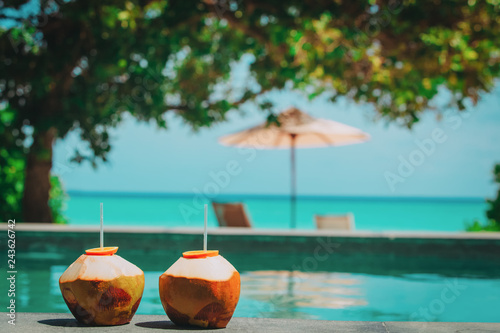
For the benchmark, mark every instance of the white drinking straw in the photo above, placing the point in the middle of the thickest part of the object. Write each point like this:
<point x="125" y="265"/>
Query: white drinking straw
<point x="102" y="233"/>
<point x="205" y="231"/>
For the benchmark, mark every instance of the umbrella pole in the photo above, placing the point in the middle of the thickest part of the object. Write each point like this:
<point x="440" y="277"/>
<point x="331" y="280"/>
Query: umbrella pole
<point x="293" y="199"/>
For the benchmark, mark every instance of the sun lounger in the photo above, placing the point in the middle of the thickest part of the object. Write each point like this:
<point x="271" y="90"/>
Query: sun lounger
<point x="335" y="222"/>
<point x="231" y="214"/>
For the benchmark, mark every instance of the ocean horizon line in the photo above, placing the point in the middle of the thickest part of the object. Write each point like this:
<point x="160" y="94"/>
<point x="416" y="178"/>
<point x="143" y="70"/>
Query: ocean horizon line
<point x="225" y="196"/>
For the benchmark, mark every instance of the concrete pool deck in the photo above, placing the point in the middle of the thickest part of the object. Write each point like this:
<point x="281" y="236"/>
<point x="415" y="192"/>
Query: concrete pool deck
<point x="61" y="322"/>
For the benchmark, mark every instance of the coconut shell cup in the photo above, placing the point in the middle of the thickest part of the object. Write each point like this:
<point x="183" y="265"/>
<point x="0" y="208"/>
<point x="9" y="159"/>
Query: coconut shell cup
<point x="102" y="289"/>
<point x="200" y="290"/>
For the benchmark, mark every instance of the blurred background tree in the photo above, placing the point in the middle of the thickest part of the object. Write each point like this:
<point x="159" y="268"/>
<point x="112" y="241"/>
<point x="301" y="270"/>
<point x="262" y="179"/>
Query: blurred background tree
<point x="79" y="65"/>
<point x="12" y="166"/>
<point x="493" y="213"/>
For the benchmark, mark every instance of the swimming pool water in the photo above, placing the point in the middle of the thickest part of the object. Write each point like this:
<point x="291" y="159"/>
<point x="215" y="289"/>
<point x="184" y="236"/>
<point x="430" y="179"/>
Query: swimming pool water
<point x="314" y="295"/>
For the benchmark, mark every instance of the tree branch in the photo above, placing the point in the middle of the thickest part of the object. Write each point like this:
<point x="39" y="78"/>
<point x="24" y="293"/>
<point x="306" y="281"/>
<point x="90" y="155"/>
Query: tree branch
<point x="14" y="18"/>
<point x="275" y="52"/>
<point x="185" y="108"/>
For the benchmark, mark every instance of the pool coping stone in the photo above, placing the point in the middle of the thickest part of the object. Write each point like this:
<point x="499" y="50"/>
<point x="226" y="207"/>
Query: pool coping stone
<point x="259" y="232"/>
<point x="58" y="322"/>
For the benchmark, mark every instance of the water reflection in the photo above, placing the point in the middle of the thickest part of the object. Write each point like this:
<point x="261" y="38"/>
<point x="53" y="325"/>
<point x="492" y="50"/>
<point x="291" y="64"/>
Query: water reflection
<point x="38" y="290"/>
<point x="286" y="293"/>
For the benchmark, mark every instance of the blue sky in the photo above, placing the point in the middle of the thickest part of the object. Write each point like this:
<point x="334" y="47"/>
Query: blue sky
<point x="147" y="159"/>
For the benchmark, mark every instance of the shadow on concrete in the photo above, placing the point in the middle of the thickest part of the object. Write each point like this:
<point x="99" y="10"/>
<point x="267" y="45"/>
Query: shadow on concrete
<point x="68" y="322"/>
<point x="168" y="325"/>
<point x="63" y="322"/>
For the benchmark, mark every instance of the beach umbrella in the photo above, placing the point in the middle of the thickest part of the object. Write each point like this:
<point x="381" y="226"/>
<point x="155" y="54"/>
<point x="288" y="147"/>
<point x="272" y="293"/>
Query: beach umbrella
<point x="295" y="129"/>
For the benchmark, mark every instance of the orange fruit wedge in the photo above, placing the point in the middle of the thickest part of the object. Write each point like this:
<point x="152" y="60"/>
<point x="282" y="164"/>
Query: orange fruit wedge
<point x="105" y="251"/>
<point x="200" y="254"/>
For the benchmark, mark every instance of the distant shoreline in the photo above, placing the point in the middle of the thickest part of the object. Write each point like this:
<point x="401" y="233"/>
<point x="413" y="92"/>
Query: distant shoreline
<point x="222" y="197"/>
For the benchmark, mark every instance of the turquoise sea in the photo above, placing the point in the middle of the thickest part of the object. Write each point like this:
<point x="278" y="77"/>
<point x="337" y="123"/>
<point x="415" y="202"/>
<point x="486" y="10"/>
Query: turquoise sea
<point x="273" y="212"/>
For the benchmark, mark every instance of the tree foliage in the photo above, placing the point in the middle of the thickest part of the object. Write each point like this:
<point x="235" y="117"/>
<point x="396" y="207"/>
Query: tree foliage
<point x="493" y="212"/>
<point x="12" y="164"/>
<point x="57" y="201"/>
<point x="79" y="65"/>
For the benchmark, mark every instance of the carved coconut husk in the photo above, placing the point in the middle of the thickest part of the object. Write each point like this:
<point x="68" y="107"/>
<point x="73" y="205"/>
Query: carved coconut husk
<point x="202" y="291"/>
<point x="102" y="290"/>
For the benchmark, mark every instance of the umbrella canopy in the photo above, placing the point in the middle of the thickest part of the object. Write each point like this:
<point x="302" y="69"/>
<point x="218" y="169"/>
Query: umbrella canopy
<point x="309" y="133"/>
<point x="296" y="129"/>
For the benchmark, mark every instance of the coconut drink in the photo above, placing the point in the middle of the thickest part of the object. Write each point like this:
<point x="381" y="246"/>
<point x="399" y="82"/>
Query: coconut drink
<point x="201" y="288"/>
<point x="102" y="288"/>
